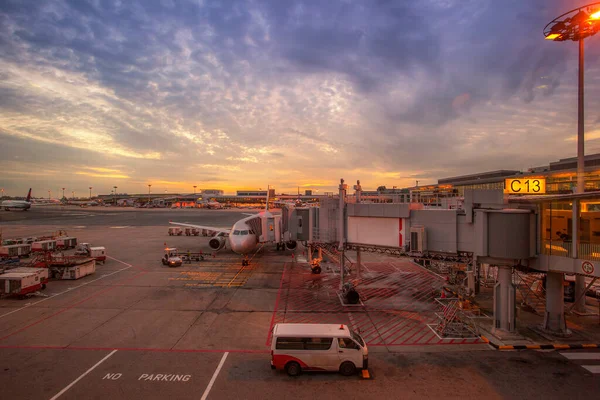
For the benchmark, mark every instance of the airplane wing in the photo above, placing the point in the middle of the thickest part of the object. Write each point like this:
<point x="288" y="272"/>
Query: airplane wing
<point x="208" y="228"/>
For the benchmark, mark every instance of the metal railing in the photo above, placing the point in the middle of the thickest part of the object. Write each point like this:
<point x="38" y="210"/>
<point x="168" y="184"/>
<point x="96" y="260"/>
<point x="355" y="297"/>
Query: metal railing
<point x="586" y="251"/>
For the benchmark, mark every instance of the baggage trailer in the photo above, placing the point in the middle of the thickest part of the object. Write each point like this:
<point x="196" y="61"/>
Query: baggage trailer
<point x="15" y="250"/>
<point x="19" y="283"/>
<point x="192" y="232"/>
<point x="175" y="231"/>
<point x="44" y="245"/>
<point x="66" y="242"/>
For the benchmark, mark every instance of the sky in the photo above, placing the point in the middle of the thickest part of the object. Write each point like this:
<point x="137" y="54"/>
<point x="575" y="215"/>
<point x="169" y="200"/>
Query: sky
<point x="244" y="94"/>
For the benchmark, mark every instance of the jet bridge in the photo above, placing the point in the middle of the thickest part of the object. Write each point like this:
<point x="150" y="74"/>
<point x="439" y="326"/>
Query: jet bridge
<point x="489" y="229"/>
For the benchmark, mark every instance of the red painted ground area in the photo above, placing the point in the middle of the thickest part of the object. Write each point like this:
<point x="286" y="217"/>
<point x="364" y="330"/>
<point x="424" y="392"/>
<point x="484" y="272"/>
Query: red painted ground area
<point x="398" y="303"/>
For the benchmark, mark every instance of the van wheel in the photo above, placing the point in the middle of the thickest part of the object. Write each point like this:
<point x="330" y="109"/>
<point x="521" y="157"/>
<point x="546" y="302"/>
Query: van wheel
<point x="347" y="368"/>
<point x="293" y="368"/>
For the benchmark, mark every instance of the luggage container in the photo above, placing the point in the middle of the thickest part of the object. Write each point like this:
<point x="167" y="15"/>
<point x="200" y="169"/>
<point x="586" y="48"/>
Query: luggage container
<point x="15" y="250"/>
<point x="44" y="245"/>
<point x="75" y="271"/>
<point x="19" y="283"/>
<point x="66" y="242"/>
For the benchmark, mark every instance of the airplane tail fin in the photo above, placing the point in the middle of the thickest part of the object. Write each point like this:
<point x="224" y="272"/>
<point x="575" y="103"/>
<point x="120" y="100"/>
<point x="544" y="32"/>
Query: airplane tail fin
<point x="28" y="196"/>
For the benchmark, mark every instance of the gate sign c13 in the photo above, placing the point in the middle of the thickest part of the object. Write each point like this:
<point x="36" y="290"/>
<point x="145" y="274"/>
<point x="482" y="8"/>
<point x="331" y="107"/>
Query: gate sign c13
<point x="525" y="186"/>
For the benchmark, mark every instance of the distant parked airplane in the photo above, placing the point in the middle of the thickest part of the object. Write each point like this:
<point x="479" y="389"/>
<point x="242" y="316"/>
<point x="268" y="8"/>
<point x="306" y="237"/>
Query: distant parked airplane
<point x="24" y="205"/>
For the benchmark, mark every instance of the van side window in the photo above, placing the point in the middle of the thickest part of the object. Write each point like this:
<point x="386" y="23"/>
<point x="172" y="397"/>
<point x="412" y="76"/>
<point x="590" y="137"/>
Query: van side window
<point x="346" y="343"/>
<point x="294" y="343"/>
<point x="290" y="343"/>
<point x="318" y="343"/>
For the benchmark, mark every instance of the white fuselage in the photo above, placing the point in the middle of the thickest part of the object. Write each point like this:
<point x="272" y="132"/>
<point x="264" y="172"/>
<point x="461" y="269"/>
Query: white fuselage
<point x="16" y="205"/>
<point x="242" y="238"/>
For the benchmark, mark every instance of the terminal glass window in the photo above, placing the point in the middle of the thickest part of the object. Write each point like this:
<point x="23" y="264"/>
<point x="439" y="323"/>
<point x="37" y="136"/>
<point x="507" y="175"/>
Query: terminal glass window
<point x="557" y="228"/>
<point x="589" y="230"/>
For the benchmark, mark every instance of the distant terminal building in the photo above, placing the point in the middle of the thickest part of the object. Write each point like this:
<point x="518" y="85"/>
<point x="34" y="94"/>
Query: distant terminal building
<point x="212" y="192"/>
<point x="252" y="193"/>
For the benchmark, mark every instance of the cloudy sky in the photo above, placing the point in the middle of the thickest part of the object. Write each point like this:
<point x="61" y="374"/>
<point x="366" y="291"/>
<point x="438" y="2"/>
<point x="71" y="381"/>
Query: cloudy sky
<point x="242" y="94"/>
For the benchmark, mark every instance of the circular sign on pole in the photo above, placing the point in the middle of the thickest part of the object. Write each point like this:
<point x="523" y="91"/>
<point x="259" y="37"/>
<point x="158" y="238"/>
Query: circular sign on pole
<point x="587" y="267"/>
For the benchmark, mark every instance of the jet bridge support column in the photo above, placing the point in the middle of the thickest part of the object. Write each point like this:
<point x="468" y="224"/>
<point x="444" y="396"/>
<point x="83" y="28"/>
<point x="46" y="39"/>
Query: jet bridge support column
<point x="554" y="317"/>
<point x="504" y="301"/>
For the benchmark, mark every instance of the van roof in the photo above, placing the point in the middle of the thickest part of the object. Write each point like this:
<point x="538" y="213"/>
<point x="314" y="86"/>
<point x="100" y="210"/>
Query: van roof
<point x="307" y="330"/>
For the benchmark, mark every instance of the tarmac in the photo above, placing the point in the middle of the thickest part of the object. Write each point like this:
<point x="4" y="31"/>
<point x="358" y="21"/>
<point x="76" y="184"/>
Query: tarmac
<point x="137" y="329"/>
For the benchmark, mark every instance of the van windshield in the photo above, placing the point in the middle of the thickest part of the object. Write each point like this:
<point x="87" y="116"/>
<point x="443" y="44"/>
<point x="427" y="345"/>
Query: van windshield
<point x="357" y="338"/>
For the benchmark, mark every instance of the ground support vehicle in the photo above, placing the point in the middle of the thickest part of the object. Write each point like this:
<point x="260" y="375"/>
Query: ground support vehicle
<point x="98" y="253"/>
<point x="317" y="347"/>
<point x="175" y="231"/>
<point x="71" y="267"/>
<point x="172" y="257"/>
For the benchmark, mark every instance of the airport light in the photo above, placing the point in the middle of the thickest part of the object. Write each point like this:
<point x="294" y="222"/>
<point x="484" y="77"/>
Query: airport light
<point x="73" y="194"/>
<point x="63" y="189"/>
<point x="115" y="196"/>
<point x="90" y="192"/>
<point x="195" y="189"/>
<point x="149" y="186"/>
<point x="576" y="25"/>
<point x="49" y="195"/>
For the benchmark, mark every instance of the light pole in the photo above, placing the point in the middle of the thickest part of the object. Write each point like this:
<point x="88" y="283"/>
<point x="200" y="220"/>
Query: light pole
<point x="574" y="25"/>
<point x="2" y="190"/>
<point x="90" y="193"/>
<point x="149" y="186"/>
<point x="115" y="195"/>
<point x="63" y="189"/>
<point x="73" y="194"/>
<point x="48" y="195"/>
<point x="195" y="186"/>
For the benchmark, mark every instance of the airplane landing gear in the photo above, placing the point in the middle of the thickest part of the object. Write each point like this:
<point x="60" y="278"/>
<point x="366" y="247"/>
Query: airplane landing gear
<point x="245" y="261"/>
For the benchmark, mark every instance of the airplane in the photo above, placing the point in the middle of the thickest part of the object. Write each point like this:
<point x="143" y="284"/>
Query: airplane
<point x="246" y="234"/>
<point x="17" y="204"/>
<point x="211" y="204"/>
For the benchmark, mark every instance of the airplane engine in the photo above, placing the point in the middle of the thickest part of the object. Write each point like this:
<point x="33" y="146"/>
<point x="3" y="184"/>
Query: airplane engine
<point x="291" y="245"/>
<point x="217" y="243"/>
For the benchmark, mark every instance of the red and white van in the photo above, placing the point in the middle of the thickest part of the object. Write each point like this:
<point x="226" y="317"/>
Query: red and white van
<point x="317" y="347"/>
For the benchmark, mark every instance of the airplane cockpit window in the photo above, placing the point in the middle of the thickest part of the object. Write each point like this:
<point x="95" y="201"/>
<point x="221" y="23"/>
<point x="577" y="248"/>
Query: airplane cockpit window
<point x="236" y="232"/>
<point x="243" y="232"/>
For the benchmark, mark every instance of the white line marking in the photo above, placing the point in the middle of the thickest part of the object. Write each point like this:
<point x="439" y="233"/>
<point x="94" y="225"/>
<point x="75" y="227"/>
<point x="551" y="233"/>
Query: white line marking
<point x="66" y="291"/>
<point x="581" y="356"/>
<point x="83" y="375"/>
<point x="119" y="261"/>
<point x="594" y="369"/>
<point x="120" y="227"/>
<point x="214" y="377"/>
